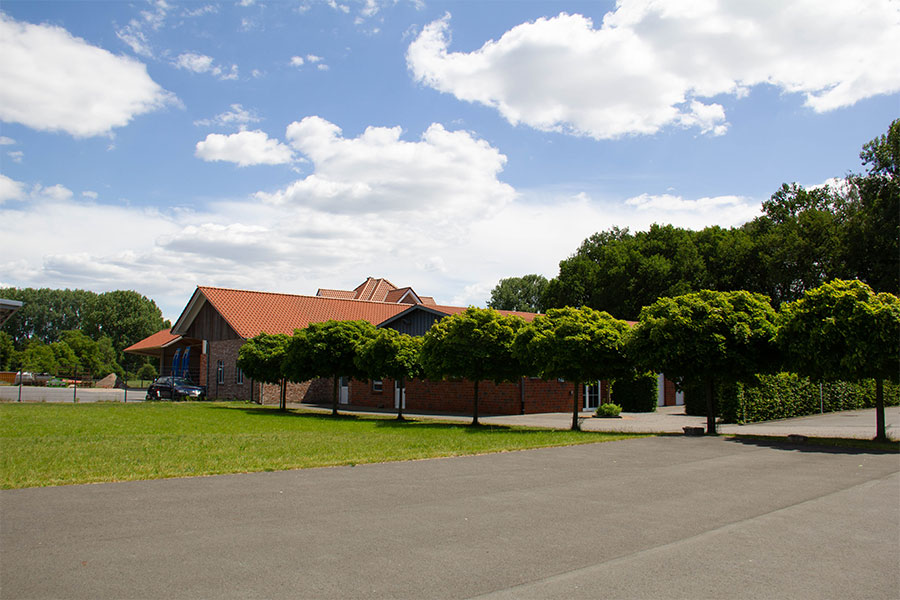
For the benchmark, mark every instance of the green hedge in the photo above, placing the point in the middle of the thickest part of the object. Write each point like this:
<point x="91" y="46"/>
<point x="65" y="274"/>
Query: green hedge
<point x="786" y="395"/>
<point x="636" y="394"/>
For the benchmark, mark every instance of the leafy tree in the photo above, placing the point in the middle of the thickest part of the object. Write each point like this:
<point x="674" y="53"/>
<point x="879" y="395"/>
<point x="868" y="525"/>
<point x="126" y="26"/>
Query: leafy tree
<point x="147" y="372"/>
<point x="262" y="359"/>
<point x="577" y="344"/>
<point x="63" y="357"/>
<point x="394" y="355"/>
<point x="843" y="330"/>
<point x="327" y="349"/>
<point x="704" y="337"/>
<point x="476" y="345"/>
<point x="7" y="351"/>
<point x="125" y="317"/>
<point x="95" y="357"/>
<point x="38" y="357"/>
<point x="45" y="313"/>
<point x="519" y="293"/>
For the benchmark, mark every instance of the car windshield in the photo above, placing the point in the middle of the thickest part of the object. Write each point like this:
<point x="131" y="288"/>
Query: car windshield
<point x="182" y="381"/>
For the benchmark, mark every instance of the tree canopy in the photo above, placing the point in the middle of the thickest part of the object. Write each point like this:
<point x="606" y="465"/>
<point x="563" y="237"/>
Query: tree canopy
<point x="327" y="349"/>
<point x="522" y="294"/>
<point x="577" y="344"/>
<point x="262" y="358"/>
<point x="394" y="355"/>
<point x="706" y="336"/>
<point x="476" y="345"/>
<point x="843" y="330"/>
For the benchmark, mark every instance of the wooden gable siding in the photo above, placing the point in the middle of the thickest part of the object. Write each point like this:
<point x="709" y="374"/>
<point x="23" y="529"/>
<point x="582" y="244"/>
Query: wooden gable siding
<point x="209" y="325"/>
<point x="416" y="322"/>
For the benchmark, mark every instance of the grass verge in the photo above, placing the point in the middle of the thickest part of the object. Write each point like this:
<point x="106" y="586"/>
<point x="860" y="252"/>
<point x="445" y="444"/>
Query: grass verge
<point x="59" y="444"/>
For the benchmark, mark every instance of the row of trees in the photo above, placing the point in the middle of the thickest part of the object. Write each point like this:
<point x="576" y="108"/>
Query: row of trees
<point x="53" y="326"/>
<point x="841" y="330"/>
<point x="850" y="230"/>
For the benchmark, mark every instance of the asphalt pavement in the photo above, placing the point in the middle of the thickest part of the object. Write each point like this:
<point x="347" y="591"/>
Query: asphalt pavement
<point x="659" y="517"/>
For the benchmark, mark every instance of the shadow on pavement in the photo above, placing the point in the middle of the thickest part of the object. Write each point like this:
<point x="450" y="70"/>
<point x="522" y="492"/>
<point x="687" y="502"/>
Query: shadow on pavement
<point x="820" y="445"/>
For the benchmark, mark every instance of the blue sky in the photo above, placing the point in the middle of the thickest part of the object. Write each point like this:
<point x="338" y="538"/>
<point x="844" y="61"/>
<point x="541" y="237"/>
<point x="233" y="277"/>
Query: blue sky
<point x="287" y="146"/>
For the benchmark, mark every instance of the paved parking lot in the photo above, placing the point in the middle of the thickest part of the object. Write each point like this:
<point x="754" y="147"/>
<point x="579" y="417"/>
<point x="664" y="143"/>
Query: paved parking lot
<point x="663" y="517"/>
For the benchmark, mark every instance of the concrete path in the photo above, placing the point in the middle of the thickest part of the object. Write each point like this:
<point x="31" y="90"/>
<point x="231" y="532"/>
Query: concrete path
<point x="10" y="393"/>
<point x="662" y="517"/>
<point x="854" y="424"/>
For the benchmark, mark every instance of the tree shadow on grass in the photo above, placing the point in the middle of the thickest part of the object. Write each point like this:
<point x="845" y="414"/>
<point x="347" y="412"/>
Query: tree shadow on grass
<point x="818" y="445"/>
<point x="385" y="420"/>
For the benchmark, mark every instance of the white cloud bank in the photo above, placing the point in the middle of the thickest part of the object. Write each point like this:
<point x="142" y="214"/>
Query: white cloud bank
<point x="53" y="81"/>
<point x="244" y="148"/>
<point x="655" y="64"/>
<point x="201" y="63"/>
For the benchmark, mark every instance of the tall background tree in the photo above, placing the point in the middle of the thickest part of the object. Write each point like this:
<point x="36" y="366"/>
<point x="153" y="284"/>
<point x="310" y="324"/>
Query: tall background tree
<point x="125" y="317"/>
<point x="844" y="331"/>
<point x="394" y="355"/>
<point x="474" y="345"/>
<point x="519" y="293"/>
<point x="706" y="337"/>
<point x="580" y="345"/>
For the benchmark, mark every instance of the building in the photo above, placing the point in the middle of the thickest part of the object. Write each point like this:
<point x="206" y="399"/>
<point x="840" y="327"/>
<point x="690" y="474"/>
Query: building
<point x="217" y="321"/>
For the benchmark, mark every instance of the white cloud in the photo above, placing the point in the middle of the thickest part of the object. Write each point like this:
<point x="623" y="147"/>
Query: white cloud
<point x="53" y="81"/>
<point x="244" y="148"/>
<point x="90" y="194"/>
<point x="297" y="61"/>
<point x="135" y="33"/>
<point x="201" y="63"/>
<point x="10" y="189"/>
<point x="445" y="172"/>
<point x="237" y="116"/>
<point x="57" y="193"/>
<point x="313" y="58"/>
<point x="651" y="64"/>
<point x="15" y="155"/>
<point x="725" y="210"/>
<point x="6" y="141"/>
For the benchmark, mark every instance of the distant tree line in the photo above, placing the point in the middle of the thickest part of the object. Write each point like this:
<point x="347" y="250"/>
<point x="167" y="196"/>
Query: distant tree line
<point x="69" y="330"/>
<point x="805" y="238"/>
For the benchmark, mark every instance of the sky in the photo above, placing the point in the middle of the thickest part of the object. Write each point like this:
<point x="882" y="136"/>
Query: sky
<point x="287" y="146"/>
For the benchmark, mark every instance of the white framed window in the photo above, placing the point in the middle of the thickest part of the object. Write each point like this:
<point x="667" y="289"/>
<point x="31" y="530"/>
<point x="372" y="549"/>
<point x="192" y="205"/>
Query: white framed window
<point x="238" y="375"/>
<point x="220" y="371"/>
<point x="377" y="385"/>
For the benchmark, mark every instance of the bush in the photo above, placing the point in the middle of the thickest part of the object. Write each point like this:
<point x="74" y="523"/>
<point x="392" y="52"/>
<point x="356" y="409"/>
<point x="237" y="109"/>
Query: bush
<point x="608" y="410"/>
<point x="147" y="372"/>
<point x="786" y="395"/>
<point x="636" y="394"/>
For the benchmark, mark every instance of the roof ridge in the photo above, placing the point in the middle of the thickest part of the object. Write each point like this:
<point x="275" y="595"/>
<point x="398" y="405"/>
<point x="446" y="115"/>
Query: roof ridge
<point x="210" y="287"/>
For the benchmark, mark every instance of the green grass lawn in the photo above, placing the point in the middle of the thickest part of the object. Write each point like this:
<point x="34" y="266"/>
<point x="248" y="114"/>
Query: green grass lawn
<point x="58" y="444"/>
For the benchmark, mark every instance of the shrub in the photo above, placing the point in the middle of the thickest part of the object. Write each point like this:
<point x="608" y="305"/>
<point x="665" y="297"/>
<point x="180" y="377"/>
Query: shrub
<point x="608" y="410"/>
<point x="147" y="372"/>
<point x="786" y="395"/>
<point x="636" y="394"/>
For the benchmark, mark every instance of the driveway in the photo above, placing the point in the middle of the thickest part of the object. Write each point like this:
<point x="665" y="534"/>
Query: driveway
<point x="663" y="517"/>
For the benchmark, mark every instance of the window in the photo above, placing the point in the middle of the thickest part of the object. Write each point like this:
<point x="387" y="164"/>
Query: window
<point x="220" y="371"/>
<point x="238" y="375"/>
<point x="377" y="385"/>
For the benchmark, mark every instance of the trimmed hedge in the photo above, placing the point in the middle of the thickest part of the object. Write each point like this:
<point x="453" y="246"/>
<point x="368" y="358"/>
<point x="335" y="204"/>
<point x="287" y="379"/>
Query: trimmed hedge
<point x="637" y="394"/>
<point x="786" y="395"/>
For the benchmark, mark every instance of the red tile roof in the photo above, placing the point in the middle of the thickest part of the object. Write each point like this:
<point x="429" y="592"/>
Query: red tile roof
<point x="250" y="313"/>
<point x="345" y="294"/>
<point x="153" y="342"/>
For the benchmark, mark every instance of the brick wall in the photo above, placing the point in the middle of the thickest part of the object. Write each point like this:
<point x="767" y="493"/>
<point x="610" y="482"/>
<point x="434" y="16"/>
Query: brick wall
<point x="457" y="396"/>
<point x="316" y="391"/>
<point x="228" y="389"/>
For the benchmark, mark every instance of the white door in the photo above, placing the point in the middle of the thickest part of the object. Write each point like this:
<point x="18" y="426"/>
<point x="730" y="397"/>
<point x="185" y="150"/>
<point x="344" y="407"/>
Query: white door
<point x="591" y="395"/>
<point x="398" y="397"/>
<point x="344" y="395"/>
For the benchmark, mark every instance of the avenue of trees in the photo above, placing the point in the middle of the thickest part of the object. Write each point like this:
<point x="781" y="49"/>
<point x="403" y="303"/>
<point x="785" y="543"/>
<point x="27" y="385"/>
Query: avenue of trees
<point x="804" y="238"/>
<point x="841" y="330"/>
<point x="69" y="330"/>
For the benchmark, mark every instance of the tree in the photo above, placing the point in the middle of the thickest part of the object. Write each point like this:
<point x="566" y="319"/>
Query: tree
<point x="125" y="317"/>
<point x="7" y="350"/>
<point x="95" y="357"/>
<point x="262" y="359"/>
<point x="147" y="372"/>
<point x="38" y="357"/>
<point x="843" y="330"/>
<point x="476" y="345"/>
<point x="45" y="313"/>
<point x="327" y="350"/>
<point x="576" y="344"/>
<point x="394" y="355"/>
<point x="519" y="293"/>
<point x="705" y="337"/>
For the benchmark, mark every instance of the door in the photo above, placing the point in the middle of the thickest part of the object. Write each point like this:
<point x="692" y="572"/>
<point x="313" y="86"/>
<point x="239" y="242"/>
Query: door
<point x="344" y="395"/>
<point x="398" y="397"/>
<point x="591" y="395"/>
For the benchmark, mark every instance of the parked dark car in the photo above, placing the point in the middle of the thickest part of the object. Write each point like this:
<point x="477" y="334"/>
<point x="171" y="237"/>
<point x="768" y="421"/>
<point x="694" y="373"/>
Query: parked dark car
<point x="175" y="388"/>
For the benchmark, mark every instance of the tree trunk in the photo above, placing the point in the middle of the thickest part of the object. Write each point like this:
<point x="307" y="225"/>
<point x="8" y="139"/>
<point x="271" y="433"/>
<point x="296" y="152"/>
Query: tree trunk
<point x="575" y="426"/>
<point x="710" y="408"/>
<point x="283" y="404"/>
<point x="400" y="400"/>
<point x="334" y="397"/>
<point x="475" y="406"/>
<point x="880" y="433"/>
